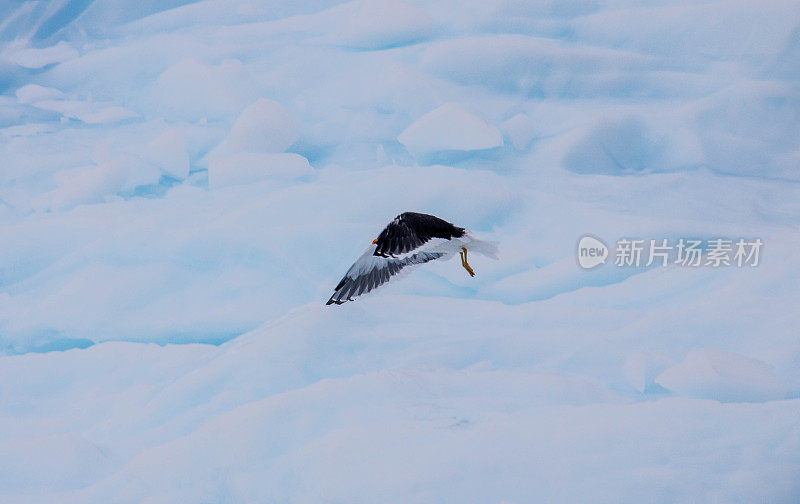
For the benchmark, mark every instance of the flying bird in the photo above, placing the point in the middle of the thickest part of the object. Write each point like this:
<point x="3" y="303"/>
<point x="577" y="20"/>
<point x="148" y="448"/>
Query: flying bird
<point x="409" y="240"/>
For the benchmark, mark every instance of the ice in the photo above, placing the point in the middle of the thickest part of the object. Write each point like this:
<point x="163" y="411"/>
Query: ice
<point x="183" y="183"/>
<point x="520" y="129"/>
<point x="642" y="368"/>
<point x="760" y="120"/>
<point x="248" y="167"/>
<point x="532" y="65"/>
<point x="92" y="184"/>
<point x="34" y="93"/>
<point x="68" y="456"/>
<point x="378" y="24"/>
<point x="191" y="90"/>
<point x="264" y="126"/>
<point x="615" y="148"/>
<point x="652" y="29"/>
<point x="88" y="112"/>
<point x="168" y="152"/>
<point x="724" y="376"/>
<point x="35" y="58"/>
<point x="449" y="127"/>
<point x="290" y="397"/>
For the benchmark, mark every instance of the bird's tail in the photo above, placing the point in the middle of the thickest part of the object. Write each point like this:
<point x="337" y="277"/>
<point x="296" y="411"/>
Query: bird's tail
<point x="487" y="248"/>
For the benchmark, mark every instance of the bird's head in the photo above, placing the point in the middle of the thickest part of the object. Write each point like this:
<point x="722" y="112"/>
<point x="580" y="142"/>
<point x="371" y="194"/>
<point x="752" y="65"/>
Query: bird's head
<point x="374" y="241"/>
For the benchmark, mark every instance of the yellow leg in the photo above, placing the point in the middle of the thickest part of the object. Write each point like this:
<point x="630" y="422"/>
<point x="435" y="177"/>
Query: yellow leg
<point x="464" y="262"/>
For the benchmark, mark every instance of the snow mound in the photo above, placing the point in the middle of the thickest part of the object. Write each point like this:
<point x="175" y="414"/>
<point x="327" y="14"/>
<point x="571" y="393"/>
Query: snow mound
<point x="533" y="65"/>
<point x="520" y="130"/>
<point x="31" y="93"/>
<point x="672" y="28"/>
<point x="379" y="24"/>
<point x="168" y="152"/>
<point x="750" y="129"/>
<point x="614" y="148"/>
<point x="724" y="376"/>
<point x="71" y="461"/>
<point x="264" y="126"/>
<point x="248" y="167"/>
<point x="450" y="127"/>
<point x="35" y="58"/>
<point x="642" y="368"/>
<point x="191" y="90"/>
<point x="93" y="184"/>
<point x="88" y="112"/>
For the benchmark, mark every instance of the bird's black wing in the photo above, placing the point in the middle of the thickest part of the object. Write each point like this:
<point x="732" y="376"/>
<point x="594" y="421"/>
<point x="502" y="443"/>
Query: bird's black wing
<point x="410" y="230"/>
<point x="371" y="271"/>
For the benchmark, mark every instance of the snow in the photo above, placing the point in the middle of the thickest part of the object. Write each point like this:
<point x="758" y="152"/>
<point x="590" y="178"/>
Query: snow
<point x="168" y="152"/>
<point x="642" y="368"/>
<point x="520" y="129"/>
<point x="247" y="167"/>
<point x="530" y="64"/>
<point x="264" y="126"/>
<point x="182" y="184"/>
<point x="90" y="113"/>
<point x="723" y="376"/>
<point x="450" y="127"/>
<point x="380" y="24"/>
<point x="91" y="184"/>
<point x="192" y="90"/>
<point x="615" y="148"/>
<point x="33" y="93"/>
<point x="35" y="58"/>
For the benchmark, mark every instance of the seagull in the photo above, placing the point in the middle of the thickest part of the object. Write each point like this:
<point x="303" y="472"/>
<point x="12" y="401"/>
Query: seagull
<point x="409" y="240"/>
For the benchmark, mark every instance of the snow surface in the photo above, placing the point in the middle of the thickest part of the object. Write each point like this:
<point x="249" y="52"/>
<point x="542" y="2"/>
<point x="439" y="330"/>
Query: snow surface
<point x="183" y="183"/>
<point x="449" y="128"/>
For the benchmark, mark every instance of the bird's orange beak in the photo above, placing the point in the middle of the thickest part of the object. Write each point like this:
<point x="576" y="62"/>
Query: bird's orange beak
<point x="374" y="241"/>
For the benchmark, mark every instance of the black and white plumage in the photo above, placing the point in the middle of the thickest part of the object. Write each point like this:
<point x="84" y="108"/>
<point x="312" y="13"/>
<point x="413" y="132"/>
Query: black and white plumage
<point x="409" y="240"/>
